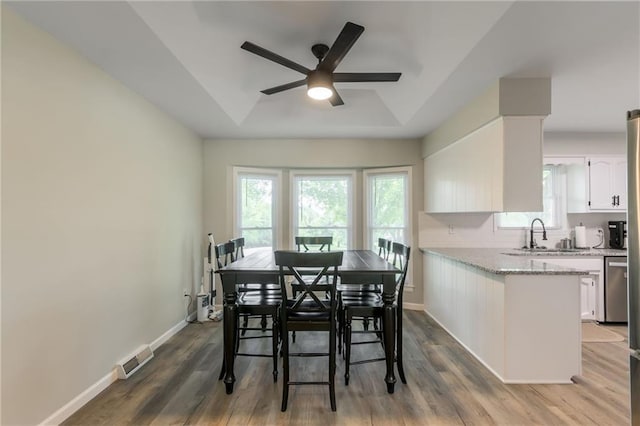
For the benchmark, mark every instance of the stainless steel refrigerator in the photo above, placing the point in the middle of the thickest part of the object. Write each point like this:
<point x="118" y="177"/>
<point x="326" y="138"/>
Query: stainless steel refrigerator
<point x="633" y="254"/>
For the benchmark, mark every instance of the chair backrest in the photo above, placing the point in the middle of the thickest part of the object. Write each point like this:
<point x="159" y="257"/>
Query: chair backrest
<point x="384" y="248"/>
<point x="239" y="244"/>
<point x="323" y="266"/>
<point x="323" y="243"/>
<point x="400" y="260"/>
<point x="225" y="254"/>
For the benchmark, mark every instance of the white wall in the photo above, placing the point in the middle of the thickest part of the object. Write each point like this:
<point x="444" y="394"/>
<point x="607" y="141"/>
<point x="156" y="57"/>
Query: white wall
<point x="101" y="222"/>
<point x="222" y="155"/>
<point x="584" y="143"/>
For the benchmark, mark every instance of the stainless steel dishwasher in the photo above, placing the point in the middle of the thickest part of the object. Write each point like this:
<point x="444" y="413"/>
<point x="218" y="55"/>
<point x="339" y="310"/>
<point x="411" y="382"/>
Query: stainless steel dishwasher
<point x="615" y="289"/>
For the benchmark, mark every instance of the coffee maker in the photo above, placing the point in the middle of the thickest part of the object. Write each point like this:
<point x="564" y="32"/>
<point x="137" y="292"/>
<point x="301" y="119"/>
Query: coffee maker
<point x="617" y="234"/>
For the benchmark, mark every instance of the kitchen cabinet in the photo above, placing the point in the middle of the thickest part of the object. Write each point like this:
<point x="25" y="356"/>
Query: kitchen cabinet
<point x="493" y="169"/>
<point x="591" y="286"/>
<point x="607" y="183"/>
<point x="588" y="297"/>
<point x="595" y="184"/>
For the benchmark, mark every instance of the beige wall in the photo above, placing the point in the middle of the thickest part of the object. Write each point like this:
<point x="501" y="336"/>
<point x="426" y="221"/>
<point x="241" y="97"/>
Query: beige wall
<point x="101" y="222"/>
<point x="221" y="155"/>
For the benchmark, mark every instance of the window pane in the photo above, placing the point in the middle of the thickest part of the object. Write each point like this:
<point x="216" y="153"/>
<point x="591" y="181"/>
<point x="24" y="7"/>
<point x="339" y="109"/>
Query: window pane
<point x="255" y="208"/>
<point x="322" y="208"/>
<point x="388" y="203"/>
<point x="551" y="202"/>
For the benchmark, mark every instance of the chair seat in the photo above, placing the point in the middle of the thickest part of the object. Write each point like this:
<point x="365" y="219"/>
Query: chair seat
<point x="371" y="288"/>
<point x="362" y="303"/>
<point x="258" y="287"/>
<point x="259" y="300"/>
<point x="357" y="295"/>
<point x="306" y="312"/>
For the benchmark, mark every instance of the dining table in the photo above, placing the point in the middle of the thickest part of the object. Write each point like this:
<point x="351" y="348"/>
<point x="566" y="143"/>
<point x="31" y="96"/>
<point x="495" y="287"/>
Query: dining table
<point x="258" y="266"/>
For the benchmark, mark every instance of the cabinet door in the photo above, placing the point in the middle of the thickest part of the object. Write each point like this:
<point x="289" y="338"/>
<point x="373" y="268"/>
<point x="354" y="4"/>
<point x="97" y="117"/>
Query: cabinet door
<point x="619" y="186"/>
<point x="601" y="196"/>
<point x="587" y="298"/>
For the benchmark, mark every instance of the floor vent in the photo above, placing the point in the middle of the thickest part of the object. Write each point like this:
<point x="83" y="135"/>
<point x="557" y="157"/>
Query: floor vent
<point x="132" y="363"/>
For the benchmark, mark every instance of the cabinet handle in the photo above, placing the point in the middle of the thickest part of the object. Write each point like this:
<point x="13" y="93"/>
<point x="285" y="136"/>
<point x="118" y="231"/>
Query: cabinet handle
<point x="617" y="200"/>
<point x="613" y="200"/>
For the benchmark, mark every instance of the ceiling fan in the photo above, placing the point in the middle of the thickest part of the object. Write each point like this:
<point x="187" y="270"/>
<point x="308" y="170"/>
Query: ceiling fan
<point x="320" y="80"/>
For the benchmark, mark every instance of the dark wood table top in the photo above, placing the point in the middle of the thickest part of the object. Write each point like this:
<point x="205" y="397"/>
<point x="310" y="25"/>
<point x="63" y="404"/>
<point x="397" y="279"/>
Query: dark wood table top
<point x="360" y="261"/>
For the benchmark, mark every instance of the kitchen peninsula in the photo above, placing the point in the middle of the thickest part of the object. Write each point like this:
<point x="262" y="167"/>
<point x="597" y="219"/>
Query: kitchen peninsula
<point x="519" y="316"/>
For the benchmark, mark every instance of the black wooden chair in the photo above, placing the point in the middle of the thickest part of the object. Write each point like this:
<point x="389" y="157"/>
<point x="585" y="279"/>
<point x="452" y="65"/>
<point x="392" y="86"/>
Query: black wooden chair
<point x="307" y="311"/>
<point x="361" y="291"/>
<point x="238" y="243"/>
<point x="384" y="248"/>
<point x="254" y="303"/>
<point x="270" y="290"/>
<point x="313" y="243"/>
<point x="368" y="307"/>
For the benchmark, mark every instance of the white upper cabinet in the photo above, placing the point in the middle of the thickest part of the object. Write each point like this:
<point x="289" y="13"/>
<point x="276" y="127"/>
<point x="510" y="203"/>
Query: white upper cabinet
<point x="607" y="183"/>
<point x="496" y="168"/>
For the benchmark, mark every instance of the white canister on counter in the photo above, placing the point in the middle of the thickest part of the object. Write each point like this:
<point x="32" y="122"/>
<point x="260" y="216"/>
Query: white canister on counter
<point x="581" y="236"/>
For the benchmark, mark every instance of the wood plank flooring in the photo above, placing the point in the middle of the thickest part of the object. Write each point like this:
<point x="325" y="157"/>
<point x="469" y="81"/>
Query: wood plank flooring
<point x="446" y="386"/>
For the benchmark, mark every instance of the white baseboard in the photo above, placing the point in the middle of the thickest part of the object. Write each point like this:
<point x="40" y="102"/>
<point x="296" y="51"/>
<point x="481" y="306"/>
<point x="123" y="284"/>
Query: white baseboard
<point x="171" y="332"/>
<point x="413" y="306"/>
<point x="88" y="394"/>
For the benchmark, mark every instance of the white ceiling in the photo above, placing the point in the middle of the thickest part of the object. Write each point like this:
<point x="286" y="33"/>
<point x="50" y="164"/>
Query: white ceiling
<point x="185" y="57"/>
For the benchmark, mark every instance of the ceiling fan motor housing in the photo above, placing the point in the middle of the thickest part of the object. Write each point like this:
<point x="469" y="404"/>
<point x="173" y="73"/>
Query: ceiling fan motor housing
<point x="319" y="78"/>
<point x="319" y="51"/>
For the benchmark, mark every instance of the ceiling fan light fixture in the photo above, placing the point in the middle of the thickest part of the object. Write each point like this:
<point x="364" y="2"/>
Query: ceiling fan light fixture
<point x="319" y="93"/>
<point x="319" y="85"/>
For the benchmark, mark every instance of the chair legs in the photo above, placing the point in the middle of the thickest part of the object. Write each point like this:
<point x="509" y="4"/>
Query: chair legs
<point x="275" y="342"/>
<point x="285" y="370"/>
<point x="332" y="368"/>
<point x="399" y="349"/>
<point x="274" y="346"/>
<point x="284" y="349"/>
<point x="347" y="348"/>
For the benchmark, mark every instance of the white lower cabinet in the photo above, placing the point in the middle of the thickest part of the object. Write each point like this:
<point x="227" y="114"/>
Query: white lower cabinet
<point x="591" y="285"/>
<point x="588" y="297"/>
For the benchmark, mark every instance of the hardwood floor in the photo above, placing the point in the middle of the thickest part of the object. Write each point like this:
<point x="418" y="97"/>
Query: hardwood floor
<point x="446" y="386"/>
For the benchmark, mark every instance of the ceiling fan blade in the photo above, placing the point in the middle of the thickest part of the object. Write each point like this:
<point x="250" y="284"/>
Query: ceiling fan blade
<point x="341" y="46"/>
<point x="261" y="51"/>
<point x="354" y="77"/>
<point x="284" y="87"/>
<point x="336" y="100"/>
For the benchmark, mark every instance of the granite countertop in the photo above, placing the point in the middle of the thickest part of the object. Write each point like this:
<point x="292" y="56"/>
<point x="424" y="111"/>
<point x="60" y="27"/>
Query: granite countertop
<point x="588" y="252"/>
<point x="502" y="261"/>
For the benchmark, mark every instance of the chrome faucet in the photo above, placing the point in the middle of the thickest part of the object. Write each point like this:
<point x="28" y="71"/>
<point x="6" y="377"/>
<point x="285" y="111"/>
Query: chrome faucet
<point x="532" y="243"/>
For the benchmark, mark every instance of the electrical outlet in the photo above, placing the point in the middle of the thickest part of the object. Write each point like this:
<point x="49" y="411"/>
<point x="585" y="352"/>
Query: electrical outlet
<point x="185" y="293"/>
<point x="451" y="231"/>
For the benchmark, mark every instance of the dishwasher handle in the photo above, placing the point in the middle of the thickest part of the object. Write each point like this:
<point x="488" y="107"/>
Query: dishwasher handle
<point x="617" y="264"/>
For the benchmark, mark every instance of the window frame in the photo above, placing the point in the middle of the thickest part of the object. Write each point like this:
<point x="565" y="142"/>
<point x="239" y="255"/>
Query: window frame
<point x="366" y="193"/>
<point x="276" y="217"/>
<point x="350" y="174"/>
<point x="559" y="196"/>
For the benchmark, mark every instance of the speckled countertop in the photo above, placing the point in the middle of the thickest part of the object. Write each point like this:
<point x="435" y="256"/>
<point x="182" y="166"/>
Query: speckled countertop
<point x="518" y="262"/>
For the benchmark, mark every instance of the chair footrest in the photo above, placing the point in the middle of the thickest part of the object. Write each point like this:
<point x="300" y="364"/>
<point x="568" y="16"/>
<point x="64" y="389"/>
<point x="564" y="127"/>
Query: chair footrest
<point x="365" y="361"/>
<point x="256" y="337"/>
<point x="256" y="355"/>
<point x="309" y="354"/>
<point x="309" y="383"/>
<point x="366" y="342"/>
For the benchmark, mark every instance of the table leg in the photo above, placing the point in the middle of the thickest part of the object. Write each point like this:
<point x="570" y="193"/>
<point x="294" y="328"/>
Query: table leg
<point x="230" y="319"/>
<point x="389" y="336"/>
